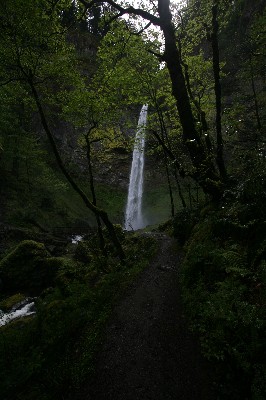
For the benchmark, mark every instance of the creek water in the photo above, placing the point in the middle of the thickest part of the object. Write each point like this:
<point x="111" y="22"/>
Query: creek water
<point x="22" y="309"/>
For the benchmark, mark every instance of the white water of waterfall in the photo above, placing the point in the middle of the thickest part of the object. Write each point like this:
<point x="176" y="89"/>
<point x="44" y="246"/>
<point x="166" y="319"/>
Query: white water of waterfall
<point x="133" y="218"/>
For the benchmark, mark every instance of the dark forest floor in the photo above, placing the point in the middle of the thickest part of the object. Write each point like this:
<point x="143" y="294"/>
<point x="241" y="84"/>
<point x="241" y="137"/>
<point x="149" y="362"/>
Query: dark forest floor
<point x="147" y="352"/>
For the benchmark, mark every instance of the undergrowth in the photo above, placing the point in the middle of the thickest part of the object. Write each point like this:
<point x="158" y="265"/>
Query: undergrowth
<point x="223" y="281"/>
<point x="50" y="356"/>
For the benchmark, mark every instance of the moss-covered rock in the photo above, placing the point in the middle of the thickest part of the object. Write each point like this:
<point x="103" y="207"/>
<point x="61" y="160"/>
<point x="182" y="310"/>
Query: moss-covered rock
<point x="27" y="268"/>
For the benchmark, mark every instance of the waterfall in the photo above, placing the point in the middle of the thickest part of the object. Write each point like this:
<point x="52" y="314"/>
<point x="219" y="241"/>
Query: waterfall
<point x="134" y="218"/>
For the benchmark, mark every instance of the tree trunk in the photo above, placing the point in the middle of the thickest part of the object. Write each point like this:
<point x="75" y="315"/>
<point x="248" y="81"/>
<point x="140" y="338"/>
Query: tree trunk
<point x="94" y="201"/>
<point x="204" y="170"/>
<point x="200" y="112"/>
<point x="179" y="188"/>
<point x="257" y="114"/>
<point x="169" y="186"/>
<point x="218" y="92"/>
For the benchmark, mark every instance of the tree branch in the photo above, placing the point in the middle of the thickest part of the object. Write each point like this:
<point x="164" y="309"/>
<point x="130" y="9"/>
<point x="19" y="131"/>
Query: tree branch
<point x="129" y="10"/>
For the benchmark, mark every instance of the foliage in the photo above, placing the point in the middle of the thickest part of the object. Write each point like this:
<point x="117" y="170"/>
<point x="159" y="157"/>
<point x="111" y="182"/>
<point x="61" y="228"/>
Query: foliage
<point x="128" y="69"/>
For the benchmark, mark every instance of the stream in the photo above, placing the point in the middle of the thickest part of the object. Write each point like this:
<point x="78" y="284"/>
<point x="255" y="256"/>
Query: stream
<point x="19" y="310"/>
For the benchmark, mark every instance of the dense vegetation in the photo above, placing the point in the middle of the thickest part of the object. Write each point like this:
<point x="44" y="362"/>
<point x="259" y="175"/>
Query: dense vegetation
<point x="73" y="76"/>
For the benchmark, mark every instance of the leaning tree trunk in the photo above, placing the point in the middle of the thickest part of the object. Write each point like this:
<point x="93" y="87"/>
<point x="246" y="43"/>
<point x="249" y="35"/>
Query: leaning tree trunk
<point x="97" y="211"/>
<point x="94" y="201"/>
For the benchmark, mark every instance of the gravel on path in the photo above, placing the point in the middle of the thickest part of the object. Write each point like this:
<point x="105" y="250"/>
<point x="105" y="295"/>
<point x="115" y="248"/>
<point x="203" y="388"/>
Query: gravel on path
<point x="147" y="352"/>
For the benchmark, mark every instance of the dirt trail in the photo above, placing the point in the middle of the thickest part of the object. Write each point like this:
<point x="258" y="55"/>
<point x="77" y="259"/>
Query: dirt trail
<point x="148" y="353"/>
